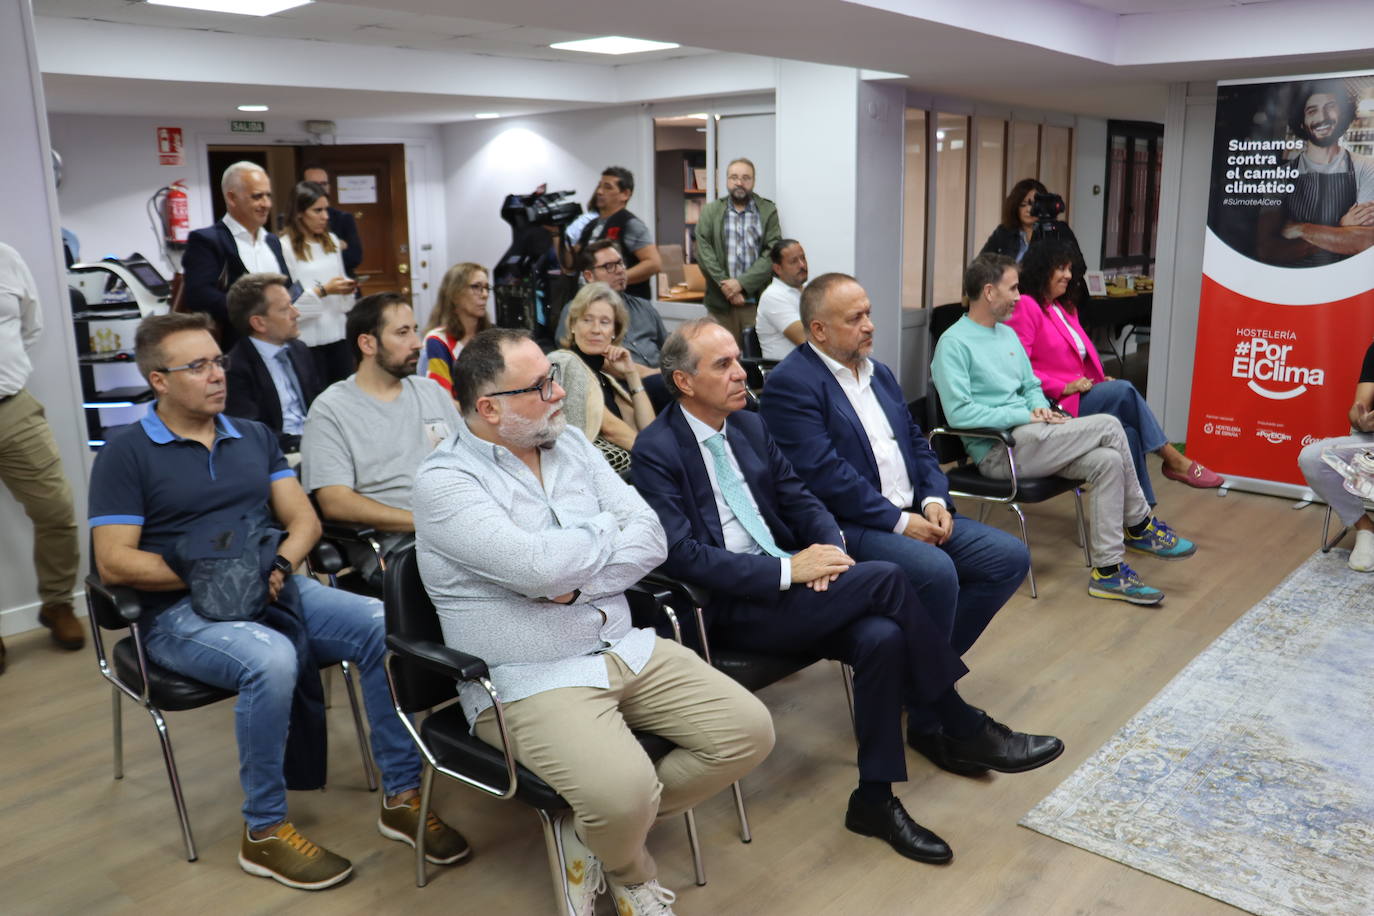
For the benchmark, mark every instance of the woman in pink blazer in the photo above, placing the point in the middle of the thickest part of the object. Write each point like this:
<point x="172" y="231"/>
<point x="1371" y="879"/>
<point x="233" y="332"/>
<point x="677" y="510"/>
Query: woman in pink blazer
<point x="1065" y="361"/>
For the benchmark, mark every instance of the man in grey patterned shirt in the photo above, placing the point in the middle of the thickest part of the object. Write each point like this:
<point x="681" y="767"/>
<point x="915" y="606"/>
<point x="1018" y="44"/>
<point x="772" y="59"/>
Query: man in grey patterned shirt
<point x="526" y="540"/>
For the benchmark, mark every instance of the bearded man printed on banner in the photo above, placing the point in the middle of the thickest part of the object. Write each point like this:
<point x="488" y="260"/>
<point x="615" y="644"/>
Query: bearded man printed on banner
<point x="1329" y="214"/>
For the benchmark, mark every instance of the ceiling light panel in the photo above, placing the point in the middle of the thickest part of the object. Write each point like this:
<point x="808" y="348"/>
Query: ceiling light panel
<point x="240" y="7"/>
<point x="613" y="44"/>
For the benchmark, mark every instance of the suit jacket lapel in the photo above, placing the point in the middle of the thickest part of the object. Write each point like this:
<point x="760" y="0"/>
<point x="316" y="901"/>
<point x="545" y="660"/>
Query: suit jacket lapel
<point x="839" y="403"/>
<point x="701" y="495"/>
<point x="897" y="417"/>
<point x="759" y="479"/>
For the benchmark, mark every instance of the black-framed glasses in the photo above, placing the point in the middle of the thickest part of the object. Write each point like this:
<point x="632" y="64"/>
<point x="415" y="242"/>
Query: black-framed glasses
<point x="544" y="386"/>
<point x="197" y="368"/>
<point x="482" y="288"/>
<point x="611" y="267"/>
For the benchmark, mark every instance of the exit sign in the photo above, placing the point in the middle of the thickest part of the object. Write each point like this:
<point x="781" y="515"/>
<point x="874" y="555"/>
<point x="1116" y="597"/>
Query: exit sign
<point x="247" y="127"/>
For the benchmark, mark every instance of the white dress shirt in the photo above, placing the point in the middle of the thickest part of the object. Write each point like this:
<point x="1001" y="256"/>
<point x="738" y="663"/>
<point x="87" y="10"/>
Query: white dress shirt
<point x="289" y="392"/>
<point x="779" y="308"/>
<point x="255" y="254"/>
<point x="896" y="483"/>
<point x="1077" y="340"/>
<point x="322" y="317"/>
<point x="21" y="320"/>
<point x="737" y="538"/>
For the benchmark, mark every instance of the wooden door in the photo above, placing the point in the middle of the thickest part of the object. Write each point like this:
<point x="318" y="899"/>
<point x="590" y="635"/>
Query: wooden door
<point x="369" y="181"/>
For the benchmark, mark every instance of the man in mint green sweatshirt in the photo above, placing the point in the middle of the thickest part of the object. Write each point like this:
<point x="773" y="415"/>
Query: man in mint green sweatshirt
<point x="985" y="380"/>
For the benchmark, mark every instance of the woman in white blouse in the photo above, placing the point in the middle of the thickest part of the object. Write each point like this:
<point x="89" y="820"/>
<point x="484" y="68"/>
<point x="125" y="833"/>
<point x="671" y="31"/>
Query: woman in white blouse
<point x="1064" y="359"/>
<point x="314" y="255"/>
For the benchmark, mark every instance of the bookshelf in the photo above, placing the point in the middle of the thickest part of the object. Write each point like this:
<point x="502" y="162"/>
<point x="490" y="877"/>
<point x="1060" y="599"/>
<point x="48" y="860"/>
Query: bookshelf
<point x="681" y="187"/>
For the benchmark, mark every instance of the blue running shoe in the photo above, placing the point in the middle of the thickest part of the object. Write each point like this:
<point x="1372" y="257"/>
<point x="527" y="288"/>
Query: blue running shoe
<point x="1125" y="585"/>
<point x="1161" y="541"/>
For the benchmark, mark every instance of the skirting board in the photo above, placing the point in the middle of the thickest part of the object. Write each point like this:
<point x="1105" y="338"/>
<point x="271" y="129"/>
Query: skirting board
<point x="24" y="617"/>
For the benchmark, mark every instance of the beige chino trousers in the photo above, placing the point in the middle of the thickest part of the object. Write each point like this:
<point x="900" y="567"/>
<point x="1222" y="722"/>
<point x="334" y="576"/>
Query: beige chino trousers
<point x="31" y="469"/>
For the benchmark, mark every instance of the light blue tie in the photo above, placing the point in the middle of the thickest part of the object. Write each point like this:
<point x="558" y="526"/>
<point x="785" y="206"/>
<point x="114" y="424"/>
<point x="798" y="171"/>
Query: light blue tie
<point x="732" y="487"/>
<point x="298" y="407"/>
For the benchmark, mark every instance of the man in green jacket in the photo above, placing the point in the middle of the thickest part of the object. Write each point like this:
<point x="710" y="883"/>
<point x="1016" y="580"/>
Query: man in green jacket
<point x="734" y="236"/>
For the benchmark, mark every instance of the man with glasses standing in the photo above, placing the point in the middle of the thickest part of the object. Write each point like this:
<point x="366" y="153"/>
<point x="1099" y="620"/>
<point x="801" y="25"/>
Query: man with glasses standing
<point x="365" y="436"/>
<point x="186" y="473"/>
<point x="735" y="235"/>
<point x="526" y="541"/>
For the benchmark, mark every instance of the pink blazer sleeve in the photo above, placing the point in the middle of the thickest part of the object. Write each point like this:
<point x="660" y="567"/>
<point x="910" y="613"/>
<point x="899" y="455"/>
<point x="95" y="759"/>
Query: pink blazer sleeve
<point x="1052" y="359"/>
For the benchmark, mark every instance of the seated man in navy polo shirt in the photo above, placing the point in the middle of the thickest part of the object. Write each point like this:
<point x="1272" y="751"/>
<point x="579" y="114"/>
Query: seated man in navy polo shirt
<point x="186" y="464"/>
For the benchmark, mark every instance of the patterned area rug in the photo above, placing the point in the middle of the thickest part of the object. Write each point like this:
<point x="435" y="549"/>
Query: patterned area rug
<point x="1250" y="777"/>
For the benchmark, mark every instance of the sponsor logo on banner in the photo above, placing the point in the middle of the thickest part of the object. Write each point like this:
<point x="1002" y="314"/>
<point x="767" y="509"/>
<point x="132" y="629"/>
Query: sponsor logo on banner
<point x="1269" y="367"/>
<point x="1273" y="436"/>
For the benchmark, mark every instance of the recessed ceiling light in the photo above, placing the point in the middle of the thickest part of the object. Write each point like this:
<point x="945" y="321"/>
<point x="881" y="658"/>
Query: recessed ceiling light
<point x="700" y="116"/>
<point x="613" y="44"/>
<point x="242" y="7"/>
<point x="486" y="115"/>
<point x="252" y="108"/>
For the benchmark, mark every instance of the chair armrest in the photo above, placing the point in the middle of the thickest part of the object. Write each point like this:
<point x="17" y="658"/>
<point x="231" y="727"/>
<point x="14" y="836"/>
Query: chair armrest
<point x="439" y="658"/>
<point x="348" y="532"/>
<point x="121" y="597"/>
<point x="976" y="432"/>
<point x="698" y="596"/>
<point x="325" y="557"/>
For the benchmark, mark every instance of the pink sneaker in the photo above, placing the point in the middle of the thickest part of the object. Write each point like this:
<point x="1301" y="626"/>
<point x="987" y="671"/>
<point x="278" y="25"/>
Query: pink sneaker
<point x="1196" y="476"/>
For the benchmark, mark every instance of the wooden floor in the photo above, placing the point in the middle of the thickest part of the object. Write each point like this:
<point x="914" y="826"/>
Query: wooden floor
<point x="74" y="841"/>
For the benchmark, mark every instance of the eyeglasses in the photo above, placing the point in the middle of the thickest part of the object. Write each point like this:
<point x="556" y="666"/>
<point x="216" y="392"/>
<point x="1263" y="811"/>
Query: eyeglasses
<point x="611" y="267"/>
<point x="482" y="288"/>
<point x="197" y="368"/>
<point x="544" y="386"/>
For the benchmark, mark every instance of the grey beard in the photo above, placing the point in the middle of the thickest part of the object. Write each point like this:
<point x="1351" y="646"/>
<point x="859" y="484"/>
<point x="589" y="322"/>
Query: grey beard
<point x="522" y="432"/>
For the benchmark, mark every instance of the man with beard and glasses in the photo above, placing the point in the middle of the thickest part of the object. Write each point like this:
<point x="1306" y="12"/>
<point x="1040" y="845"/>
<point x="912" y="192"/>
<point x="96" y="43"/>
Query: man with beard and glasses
<point x="526" y="541"/>
<point x="734" y="237"/>
<point x="1329" y="215"/>
<point x="366" y="435"/>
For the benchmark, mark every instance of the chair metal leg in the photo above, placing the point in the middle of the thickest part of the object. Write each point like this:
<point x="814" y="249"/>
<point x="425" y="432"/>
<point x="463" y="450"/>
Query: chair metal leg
<point x="982" y="511"/>
<point x="117" y="723"/>
<point x="556" y="864"/>
<point x="172" y="777"/>
<point x="1025" y="539"/>
<point x="1327" y="541"/>
<point x="327" y="682"/>
<point x="744" y="835"/>
<point x="847" y="675"/>
<point x="369" y="769"/>
<point x="1082" y="528"/>
<point x="426" y="787"/>
<point x="693" y="841"/>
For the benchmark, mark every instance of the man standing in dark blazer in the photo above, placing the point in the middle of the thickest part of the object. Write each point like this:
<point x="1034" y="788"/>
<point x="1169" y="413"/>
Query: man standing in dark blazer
<point x="740" y="522"/>
<point x="341" y="222"/>
<point x="271" y="376"/>
<point x="238" y="244"/>
<point x="839" y="416"/>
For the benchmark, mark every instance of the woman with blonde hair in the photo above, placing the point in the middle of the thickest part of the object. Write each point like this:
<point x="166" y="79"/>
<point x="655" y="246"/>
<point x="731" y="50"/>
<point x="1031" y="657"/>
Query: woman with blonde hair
<point x="314" y="256"/>
<point x="606" y="397"/>
<point x="460" y="312"/>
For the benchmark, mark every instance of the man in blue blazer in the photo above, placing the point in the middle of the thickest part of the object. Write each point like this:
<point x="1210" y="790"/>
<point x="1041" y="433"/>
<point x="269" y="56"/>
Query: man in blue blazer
<point x="238" y="244"/>
<point x="840" y="418"/>
<point x="741" y="523"/>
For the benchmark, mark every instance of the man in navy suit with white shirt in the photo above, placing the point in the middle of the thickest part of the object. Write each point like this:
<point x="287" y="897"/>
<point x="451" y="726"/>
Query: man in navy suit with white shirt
<point x="840" y="418"/>
<point x="741" y="523"/>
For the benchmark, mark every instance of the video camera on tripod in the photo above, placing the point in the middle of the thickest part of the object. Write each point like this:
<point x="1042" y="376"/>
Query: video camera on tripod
<point x="1046" y="209"/>
<point x="525" y="290"/>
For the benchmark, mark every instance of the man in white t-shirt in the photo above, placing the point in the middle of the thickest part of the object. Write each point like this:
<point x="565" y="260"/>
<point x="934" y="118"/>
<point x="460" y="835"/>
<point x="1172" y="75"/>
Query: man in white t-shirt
<point x="779" y="323"/>
<point x="365" y="436"/>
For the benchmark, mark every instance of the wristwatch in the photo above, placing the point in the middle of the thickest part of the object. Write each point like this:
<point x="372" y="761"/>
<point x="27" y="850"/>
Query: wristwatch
<point x="282" y="565"/>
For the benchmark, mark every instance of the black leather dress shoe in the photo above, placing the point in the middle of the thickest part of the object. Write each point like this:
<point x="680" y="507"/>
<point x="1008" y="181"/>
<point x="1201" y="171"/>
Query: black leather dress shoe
<point x="994" y="747"/>
<point x="890" y="822"/>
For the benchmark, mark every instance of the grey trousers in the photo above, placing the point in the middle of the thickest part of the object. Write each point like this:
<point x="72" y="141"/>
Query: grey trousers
<point x="1091" y="448"/>
<point x="1327" y="482"/>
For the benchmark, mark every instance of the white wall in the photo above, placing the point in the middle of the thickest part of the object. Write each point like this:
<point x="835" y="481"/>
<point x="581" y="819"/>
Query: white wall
<point x="28" y="221"/>
<point x="110" y="170"/>
<point x="878" y="211"/>
<point x="1185" y="184"/>
<point x="1089" y="170"/>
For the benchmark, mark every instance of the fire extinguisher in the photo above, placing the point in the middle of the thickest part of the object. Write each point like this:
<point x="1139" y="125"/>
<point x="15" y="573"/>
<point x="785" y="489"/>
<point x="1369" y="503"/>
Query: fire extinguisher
<point x="177" y="213"/>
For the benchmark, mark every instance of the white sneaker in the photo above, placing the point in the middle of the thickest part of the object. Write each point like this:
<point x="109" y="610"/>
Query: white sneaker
<point x="1362" y="556"/>
<point x="647" y="899"/>
<point x="583" y="878"/>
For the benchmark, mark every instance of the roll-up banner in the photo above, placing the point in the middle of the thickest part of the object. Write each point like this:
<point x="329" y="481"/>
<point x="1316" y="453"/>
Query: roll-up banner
<point x="1287" y="306"/>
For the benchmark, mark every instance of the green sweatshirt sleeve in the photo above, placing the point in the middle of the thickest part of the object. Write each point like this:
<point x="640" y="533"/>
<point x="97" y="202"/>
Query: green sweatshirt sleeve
<point x="952" y="370"/>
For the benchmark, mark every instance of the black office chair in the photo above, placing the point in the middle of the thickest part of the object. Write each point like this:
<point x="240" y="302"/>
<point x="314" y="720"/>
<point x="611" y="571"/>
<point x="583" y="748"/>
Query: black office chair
<point x="158" y="690"/>
<point x="965" y="482"/>
<point x="751" y="358"/>
<point x="752" y="670"/>
<point x="422" y="672"/>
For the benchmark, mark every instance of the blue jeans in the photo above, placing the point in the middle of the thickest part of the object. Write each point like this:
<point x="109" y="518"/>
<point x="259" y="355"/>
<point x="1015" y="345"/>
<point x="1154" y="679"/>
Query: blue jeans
<point x="1120" y="399"/>
<point x="260" y="664"/>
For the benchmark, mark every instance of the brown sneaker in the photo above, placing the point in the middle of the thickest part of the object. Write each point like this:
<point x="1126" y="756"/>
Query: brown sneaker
<point x="66" y="629"/>
<point x="291" y="859"/>
<point x="443" y="844"/>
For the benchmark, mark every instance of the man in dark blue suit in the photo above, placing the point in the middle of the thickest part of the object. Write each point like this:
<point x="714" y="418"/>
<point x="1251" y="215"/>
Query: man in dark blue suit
<point x="840" y="418"/>
<point x="271" y="375"/>
<point x="341" y="222"/>
<point x="238" y="244"/>
<point x="740" y="522"/>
